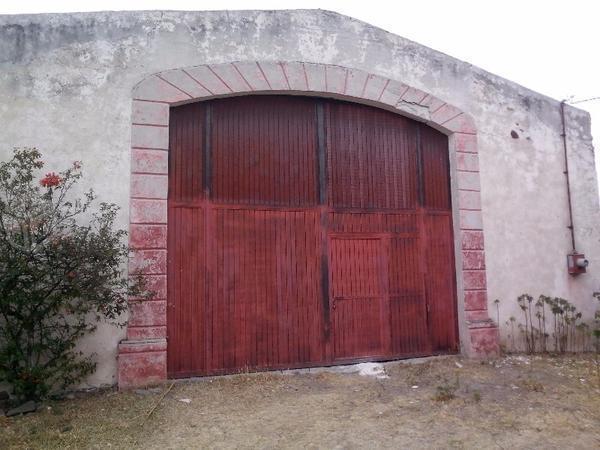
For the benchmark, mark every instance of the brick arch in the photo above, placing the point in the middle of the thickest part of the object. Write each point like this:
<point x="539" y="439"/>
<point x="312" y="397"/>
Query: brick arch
<point x="142" y="355"/>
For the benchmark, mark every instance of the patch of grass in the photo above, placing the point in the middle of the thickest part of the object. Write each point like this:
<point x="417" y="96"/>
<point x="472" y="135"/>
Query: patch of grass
<point x="416" y="373"/>
<point x="533" y="385"/>
<point x="456" y="443"/>
<point x="446" y="391"/>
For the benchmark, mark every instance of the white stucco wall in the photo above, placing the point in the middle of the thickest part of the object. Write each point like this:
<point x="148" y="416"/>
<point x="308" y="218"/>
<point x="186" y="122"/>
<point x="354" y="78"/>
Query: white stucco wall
<point x="66" y="82"/>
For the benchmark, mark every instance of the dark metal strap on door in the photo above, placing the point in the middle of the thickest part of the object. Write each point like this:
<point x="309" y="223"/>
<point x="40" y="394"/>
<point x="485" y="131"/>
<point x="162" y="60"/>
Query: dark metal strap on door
<point x="322" y="193"/>
<point x="422" y="233"/>
<point x="206" y="175"/>
<point x="322" y="152"/>
<point x="420" y="174"/>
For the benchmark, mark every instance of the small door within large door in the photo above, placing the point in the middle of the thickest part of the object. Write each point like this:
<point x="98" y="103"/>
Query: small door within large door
<point x="360" y="322"/>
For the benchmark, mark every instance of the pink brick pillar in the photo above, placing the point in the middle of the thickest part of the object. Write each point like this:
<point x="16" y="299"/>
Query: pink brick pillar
<point x="143" y="355"/>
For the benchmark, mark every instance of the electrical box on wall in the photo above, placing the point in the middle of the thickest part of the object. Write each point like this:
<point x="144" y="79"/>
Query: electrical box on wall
<point x="577" y="263"/>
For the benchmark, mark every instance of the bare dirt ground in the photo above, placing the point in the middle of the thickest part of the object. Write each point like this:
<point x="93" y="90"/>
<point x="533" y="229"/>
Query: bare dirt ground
<point x="513" y="402"/>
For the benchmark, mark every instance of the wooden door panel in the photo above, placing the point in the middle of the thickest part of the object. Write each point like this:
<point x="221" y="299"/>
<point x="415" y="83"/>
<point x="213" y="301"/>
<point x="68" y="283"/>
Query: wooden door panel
<point x="186" y="284"/>
<point x="357" y="328"/>
<point x="186" y="155"/>
<point x="436" y="169"/>
<point x="440" y="282"/>
<point x="408" y="307"/>
<point x="372" y="158"/>
<point x="358" y="298"/>
<point x="263" y="152"/>
<point x="265" y="309"/>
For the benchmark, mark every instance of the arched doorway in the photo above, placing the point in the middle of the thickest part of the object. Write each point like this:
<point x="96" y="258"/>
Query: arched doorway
<point x="143" y="354"/>
<point x="305" y="231"/>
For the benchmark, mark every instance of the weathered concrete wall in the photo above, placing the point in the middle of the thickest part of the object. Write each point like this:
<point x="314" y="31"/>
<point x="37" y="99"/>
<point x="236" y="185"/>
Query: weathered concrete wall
<point x="66" y="83"/>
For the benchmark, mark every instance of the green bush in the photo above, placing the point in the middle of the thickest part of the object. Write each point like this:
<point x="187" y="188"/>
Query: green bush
<point x="58" y="276"/>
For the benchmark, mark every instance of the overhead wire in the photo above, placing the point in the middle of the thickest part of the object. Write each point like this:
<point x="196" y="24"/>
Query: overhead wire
<point x="571" y="102"/>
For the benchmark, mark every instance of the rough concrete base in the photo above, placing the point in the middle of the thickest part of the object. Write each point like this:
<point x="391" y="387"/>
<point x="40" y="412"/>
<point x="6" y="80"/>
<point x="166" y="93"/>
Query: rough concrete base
<point x="144" y="363"/>
<point x="485" y="339"/>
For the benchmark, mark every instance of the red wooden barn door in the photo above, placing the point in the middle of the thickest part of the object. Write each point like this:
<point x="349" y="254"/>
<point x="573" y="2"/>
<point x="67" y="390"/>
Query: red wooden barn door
<point x="305" y="231"/>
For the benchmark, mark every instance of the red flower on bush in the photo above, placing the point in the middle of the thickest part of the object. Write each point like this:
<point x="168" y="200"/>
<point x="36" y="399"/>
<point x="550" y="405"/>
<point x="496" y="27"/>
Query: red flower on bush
<point x="50" y="180"/>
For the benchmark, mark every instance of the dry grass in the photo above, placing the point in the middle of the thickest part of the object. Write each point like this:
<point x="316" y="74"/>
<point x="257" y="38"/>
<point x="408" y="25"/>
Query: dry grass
<point x="516" y="402"/>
